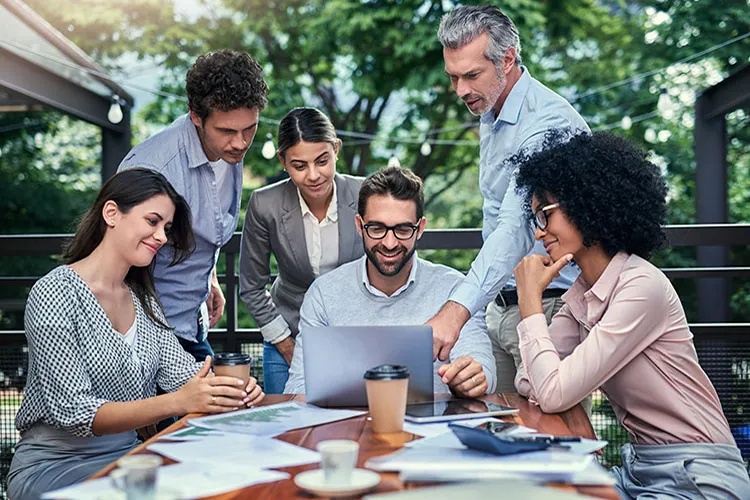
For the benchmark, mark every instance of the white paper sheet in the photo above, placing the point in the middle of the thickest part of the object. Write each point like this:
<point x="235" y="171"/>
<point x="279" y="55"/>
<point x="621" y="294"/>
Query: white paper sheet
<point x="184" y="481"/>
<point x="272" y="420"/>
<point x="449" y="440"/>
<point x="593" y="475"/>
<point x="250" y="451"/>
<point x="435" y="429"/>
<point x="426" y="458"/>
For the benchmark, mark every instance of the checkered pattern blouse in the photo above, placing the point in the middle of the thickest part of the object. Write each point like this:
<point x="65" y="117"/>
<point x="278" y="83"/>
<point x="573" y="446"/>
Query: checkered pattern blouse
<point x="78" y="362"/>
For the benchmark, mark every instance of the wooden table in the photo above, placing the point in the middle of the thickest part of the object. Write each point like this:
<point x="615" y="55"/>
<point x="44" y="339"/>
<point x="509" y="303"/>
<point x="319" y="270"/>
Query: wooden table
<point x="573" y="422"/>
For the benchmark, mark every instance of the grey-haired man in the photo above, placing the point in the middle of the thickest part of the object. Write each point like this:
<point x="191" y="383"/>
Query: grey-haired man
<point x="482" y="54"/>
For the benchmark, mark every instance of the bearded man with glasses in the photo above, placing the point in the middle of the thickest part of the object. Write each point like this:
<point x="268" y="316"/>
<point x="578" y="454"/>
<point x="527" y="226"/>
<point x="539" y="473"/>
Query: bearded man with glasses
<point x="390" y="285"/>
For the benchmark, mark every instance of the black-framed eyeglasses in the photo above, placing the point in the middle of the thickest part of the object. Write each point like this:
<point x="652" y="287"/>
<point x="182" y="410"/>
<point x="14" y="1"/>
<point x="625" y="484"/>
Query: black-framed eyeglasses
<point x="540" y="216"/>
<point x="378" y="231"/>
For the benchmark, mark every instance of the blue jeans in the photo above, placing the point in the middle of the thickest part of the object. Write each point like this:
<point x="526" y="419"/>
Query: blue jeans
<point x="199" y="350"/>
<point x="275" y="370"/>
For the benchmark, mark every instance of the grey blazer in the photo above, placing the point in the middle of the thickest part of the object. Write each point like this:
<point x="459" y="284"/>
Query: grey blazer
<point x="273" y="224"/>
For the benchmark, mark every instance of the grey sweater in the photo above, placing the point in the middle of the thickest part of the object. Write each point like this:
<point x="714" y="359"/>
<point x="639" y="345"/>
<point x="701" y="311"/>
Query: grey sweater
<point x="341" y="297"/>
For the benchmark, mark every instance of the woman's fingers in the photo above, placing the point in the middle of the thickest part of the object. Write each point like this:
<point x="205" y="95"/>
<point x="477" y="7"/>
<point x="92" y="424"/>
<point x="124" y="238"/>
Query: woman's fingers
<point x="255" y="396"/>
<point x="228" y="381"/>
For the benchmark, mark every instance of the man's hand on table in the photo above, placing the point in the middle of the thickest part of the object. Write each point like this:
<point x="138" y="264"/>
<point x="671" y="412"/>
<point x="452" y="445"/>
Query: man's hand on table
<point x="465" y="377"/>
<point x="446" y="326"/>
<point x="208" y="393"/>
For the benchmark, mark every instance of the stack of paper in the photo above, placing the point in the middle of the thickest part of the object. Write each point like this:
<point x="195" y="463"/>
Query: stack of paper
<point x="435" y="429"/>
<point x="251" y="451"/>
<point x="211" y="449"/>
<point x="540" y="465"/>
<point x="184" y="481"/>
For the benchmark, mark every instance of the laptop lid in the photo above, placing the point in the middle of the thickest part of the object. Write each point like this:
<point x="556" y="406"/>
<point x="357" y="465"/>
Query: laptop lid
<point x="336" y="358"/>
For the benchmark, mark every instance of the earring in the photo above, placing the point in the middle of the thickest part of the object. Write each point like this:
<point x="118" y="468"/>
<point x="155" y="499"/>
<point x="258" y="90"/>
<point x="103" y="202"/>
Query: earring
<point x="111" y="223"/>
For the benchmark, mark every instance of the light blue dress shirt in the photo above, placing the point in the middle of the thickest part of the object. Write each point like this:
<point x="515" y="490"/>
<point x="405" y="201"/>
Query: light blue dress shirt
<point x="530" y="110"/>
<point x="177" y="153"/>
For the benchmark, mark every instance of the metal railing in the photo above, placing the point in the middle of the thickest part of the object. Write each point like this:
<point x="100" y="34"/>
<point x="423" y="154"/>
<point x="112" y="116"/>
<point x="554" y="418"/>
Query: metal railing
<point x="722" y="347"/>
<point x="436" y="239"/>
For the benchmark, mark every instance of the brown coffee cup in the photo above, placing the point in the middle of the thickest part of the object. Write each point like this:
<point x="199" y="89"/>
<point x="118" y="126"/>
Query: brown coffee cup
<point x="232" y="364"/>
<point x="387" y="388"/>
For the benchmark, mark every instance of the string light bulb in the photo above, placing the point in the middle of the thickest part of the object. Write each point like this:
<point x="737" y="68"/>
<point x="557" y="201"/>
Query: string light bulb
<point x="269" y="150"/>
<point x="393" y="161"/>
<point x="665" y="104"/>
<point x="425" y="149"/>
<point x="114" y="115"/>
<point x="626" y="122"/>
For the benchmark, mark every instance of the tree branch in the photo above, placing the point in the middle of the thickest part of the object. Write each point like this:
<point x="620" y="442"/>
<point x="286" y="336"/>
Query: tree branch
<point x="461" y="169"/>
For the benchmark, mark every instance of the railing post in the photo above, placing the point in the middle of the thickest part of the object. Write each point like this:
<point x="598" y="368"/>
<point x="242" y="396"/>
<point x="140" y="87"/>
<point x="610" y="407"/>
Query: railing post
<point x="711" y="208"/>
<point x="231" y="307"/>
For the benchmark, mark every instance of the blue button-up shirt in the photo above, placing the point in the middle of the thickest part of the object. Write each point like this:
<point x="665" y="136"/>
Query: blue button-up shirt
<point x="530" y="110"/>
<point x="177" y="153"/>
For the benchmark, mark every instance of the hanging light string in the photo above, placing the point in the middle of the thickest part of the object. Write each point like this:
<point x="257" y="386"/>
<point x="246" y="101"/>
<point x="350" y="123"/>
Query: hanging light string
<point x="370" y="137"/>
<point x="660" y="70"/>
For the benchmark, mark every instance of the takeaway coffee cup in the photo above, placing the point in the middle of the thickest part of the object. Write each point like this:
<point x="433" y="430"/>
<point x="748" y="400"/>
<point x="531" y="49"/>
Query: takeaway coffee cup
<point x="387" y="388"/>
<point x="232" y="364"/>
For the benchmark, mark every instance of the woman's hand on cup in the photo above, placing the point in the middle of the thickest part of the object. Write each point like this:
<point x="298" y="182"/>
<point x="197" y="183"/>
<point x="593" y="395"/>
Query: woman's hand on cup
<point x="206" y="393"/>
<point x="254" y="393"/>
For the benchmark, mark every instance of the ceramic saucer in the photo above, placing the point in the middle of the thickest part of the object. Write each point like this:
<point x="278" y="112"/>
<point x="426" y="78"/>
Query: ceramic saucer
<point x="313" y="481"/>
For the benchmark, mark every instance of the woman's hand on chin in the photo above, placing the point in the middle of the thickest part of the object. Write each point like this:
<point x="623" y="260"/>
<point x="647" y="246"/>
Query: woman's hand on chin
<point x="533" y="275"/>
<point x="535" y="272"/>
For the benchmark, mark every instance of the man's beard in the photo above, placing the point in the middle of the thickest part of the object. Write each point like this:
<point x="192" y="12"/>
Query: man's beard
<point x="492" y="97"/>
<point x="390" y="269"/>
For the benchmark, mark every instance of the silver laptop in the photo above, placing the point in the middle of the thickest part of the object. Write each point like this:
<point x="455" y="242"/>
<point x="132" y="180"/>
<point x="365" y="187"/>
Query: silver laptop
<point x="336" y="358"/>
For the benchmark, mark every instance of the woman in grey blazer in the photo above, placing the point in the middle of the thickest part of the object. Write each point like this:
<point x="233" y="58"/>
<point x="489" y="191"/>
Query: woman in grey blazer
<point x="307" y="222"/>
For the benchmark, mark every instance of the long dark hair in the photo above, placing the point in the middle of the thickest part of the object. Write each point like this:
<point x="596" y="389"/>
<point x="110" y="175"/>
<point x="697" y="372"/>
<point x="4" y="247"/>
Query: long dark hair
<point x="128" y="189"/>
<point x="305" y="124"/>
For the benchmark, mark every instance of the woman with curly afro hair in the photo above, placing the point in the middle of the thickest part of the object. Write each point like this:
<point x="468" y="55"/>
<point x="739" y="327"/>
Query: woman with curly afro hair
<point x="597" y="200"/>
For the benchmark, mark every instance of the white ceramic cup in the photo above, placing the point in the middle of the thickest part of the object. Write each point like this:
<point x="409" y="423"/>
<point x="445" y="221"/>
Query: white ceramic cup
<point x="338" y="457"/>
<point x="136" y="476"/>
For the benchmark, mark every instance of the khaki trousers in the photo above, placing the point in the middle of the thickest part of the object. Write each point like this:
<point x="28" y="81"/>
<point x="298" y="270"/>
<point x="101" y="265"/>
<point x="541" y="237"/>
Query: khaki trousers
<point x="501" y="328"/>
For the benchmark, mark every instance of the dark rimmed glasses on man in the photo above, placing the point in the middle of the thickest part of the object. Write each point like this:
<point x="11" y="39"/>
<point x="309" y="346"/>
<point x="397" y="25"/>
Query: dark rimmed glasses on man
<point x="378" y="231"/>
<point x="540" y="216"/>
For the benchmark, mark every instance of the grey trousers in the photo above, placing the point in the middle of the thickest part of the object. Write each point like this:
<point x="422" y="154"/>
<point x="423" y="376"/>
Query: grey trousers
<point x="47" y="459"/>
<point x="687" y="471"/>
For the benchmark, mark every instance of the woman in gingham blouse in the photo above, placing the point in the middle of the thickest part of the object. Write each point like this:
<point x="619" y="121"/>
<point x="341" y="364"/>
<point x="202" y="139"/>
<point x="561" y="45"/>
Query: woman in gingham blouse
<point x="99" y="343"/>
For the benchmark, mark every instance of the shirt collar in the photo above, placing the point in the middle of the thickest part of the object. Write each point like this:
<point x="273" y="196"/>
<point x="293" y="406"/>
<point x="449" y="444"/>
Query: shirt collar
<point x="585" y="301"/>
<point x="511" y="109"/>
<point x="378" y="293"/>
<point x="332" y="214"/>
<point x="193" y="147"/>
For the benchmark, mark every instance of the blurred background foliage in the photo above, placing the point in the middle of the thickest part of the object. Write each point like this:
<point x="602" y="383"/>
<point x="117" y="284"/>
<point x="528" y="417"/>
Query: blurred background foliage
<point x="376" y="68"/>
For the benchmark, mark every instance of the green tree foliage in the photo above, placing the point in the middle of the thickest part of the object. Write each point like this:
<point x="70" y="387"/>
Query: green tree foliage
<point x="376" y="68"/>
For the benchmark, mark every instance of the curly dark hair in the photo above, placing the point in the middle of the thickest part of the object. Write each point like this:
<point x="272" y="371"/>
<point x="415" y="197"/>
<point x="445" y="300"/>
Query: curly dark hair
<point x="223" y="81"/>
<point x="604" y="184"/>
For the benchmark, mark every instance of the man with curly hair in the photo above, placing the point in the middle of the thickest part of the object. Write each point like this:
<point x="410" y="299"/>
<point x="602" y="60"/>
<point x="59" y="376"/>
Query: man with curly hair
<point x="482" y="55"/>
<point x="201" y="153"/>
